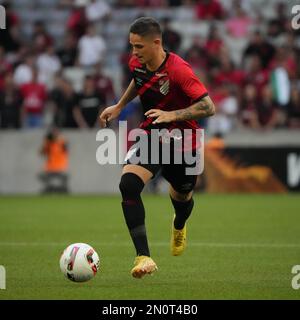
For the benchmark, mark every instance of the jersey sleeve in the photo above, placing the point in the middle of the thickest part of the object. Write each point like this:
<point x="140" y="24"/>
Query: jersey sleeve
<point x="190" y="83"/>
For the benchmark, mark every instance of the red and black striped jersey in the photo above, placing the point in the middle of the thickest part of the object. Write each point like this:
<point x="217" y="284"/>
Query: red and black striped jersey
<point x="172" y="86"/>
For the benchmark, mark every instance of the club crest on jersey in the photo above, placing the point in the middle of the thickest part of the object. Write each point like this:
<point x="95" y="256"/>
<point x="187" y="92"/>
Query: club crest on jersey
<point x="164" y="86"/>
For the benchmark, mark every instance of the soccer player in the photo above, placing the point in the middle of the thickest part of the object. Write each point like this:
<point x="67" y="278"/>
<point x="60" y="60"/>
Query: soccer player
<point x="172" y="97"/>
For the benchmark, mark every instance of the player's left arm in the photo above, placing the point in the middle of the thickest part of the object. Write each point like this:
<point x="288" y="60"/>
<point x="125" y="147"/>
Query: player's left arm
<point x="201" y="109"/>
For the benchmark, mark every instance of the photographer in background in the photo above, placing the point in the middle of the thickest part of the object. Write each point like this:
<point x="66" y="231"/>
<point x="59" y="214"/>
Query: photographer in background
<point x="55" y="151"/>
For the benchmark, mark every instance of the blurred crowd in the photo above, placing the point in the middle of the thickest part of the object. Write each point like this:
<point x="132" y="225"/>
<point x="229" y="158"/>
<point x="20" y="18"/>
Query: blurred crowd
<point x="260" y="91"/>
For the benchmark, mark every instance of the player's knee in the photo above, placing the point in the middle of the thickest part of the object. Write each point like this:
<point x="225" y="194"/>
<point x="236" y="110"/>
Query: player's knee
<point x="131" y="185"/>
<point x="181" y="196"/>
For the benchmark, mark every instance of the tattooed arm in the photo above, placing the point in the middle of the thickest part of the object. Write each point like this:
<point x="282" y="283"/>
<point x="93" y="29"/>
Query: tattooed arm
<point x="201" y="109"/>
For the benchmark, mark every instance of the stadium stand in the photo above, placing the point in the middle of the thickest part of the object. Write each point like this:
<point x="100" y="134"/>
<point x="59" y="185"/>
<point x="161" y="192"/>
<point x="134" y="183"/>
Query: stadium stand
<point x="209" y="41"/>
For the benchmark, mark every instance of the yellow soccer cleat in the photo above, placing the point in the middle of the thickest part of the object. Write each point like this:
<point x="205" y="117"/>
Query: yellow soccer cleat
<point x="178" y="240"/>
<point x="143" y="265"/>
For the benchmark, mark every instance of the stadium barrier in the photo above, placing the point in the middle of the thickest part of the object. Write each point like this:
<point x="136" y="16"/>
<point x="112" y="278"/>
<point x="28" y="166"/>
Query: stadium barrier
<point x="224" y="174"/>
<point x="269" y="162"/>
<point x="282" y="164"/>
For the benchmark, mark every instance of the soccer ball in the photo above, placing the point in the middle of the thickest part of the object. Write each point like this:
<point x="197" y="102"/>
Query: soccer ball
<point x="79" y="262"/>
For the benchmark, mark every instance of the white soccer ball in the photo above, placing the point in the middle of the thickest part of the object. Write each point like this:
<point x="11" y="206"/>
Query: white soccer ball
<point x="79" y="262"/>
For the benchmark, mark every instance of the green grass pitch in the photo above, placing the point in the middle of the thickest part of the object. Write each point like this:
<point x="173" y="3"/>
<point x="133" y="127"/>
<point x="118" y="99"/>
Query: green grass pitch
<point x="239" y="247"/>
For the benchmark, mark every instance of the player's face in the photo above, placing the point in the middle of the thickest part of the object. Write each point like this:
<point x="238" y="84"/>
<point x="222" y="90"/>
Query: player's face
<point x="144" y="48"/>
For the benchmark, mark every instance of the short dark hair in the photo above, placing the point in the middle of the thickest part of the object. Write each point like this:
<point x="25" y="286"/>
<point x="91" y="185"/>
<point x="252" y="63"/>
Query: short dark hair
<point x="145" y="26"/>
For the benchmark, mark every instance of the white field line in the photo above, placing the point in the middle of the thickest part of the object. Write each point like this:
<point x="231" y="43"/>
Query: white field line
<point x="157" y="244"/>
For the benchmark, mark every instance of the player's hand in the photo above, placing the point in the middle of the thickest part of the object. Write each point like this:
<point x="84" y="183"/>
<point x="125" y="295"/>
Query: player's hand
<point x="160" y="115"/>
<point x="109" y="114"/>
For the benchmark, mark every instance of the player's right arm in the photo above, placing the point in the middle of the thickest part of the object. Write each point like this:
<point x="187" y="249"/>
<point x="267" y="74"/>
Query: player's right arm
<point x="113" y="112"/>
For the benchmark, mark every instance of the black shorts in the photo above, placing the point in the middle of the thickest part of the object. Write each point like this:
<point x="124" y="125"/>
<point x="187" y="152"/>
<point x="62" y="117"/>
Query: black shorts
<point x="176" y="174"/>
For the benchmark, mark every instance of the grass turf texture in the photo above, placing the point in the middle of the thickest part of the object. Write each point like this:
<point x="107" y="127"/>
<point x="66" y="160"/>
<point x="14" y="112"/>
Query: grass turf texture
<point x="239" y="247"/>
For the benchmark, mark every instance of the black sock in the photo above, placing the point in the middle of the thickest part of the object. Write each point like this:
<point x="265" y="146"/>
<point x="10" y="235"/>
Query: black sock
<point x="131" y="187"/>
<point x="182" y="212"/>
